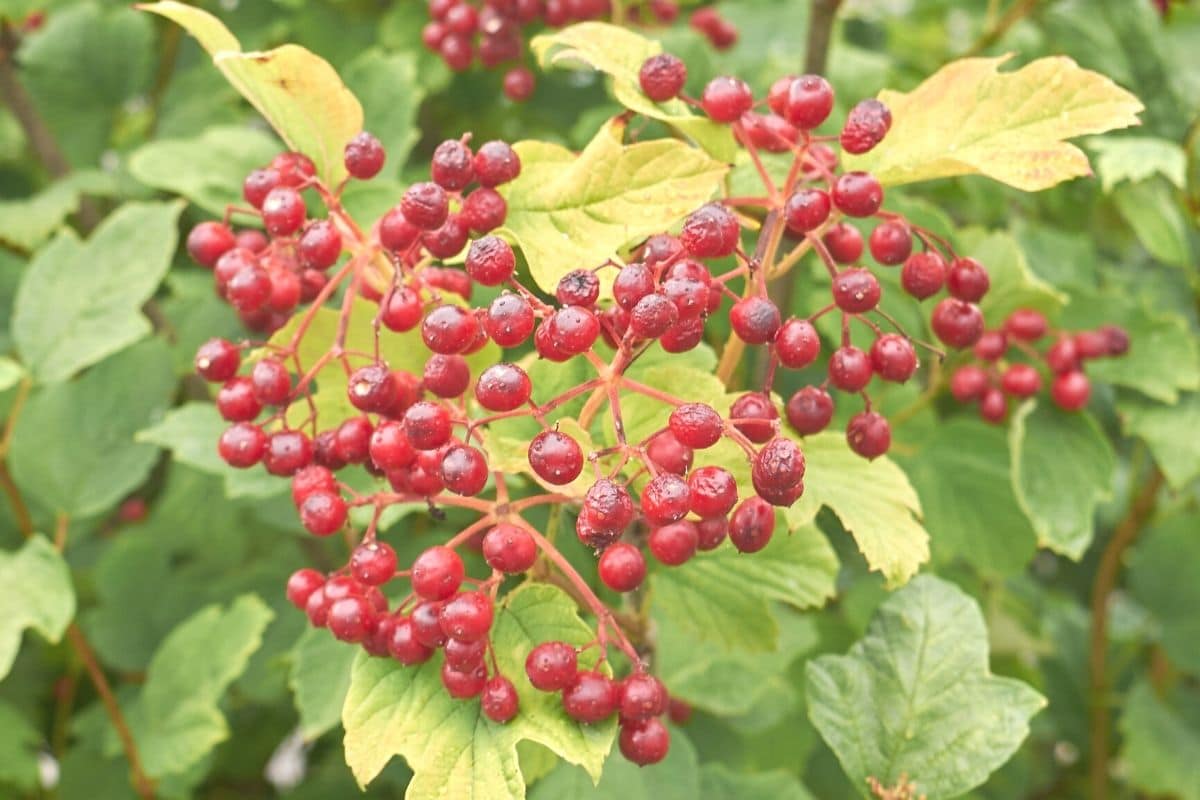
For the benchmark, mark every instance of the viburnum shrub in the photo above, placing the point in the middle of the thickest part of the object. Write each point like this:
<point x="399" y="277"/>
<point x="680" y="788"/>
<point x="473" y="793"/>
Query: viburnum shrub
<point x="729" y="421"/>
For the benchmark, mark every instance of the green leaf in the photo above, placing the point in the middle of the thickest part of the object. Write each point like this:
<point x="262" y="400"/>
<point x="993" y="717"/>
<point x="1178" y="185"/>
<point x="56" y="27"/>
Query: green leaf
<point x="175" y="719"/>
<point x="10" y="373"/>
<point x="319" y="680"/>
<point x="567" y="211"/>
<point x="619" y="52"/>
<point x="26" y="223"/>
<point x="723" y="596"/>
<point x="1163" y="574"/>
<point x="1161" y="748"/>
<point x="38" y="595"/>
<point x="961" y="472"/>
<point x="453" y="750"/>
<point x="207" y="169"/>
<point x="1135" y="158"/>
<point x="914" y="696"/>
<point x="391" y="89"/>
<point x="19" y="745"/>
<point x="73" y="447"/>
<point x="676" y="777"/>
<point x="969" y="118"/>
<point x="1157" y="220"/>
<point x="297" y="91"/>
<point x="1013" y="284"/>
<point x="191" y="432"/>
<point x="80" y="302"/>
<point x="1162" y="427"/>
<point x="873" y="499"/>
<point x="719" y="782"/>
<point x="1062" y="467"/>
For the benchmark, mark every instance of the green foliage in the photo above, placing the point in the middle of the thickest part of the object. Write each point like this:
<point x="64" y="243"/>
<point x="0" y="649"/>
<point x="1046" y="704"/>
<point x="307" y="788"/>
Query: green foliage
<point x="41" y="596"/>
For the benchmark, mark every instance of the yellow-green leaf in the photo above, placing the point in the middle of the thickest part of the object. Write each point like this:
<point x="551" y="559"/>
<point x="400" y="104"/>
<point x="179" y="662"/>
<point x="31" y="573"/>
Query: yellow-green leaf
<point x="619" y="52"/>
<point x="873" y="499"/>
<point x="567" y="211"/>
<point x="297" y="91"/>
<point x="969" y="118"/>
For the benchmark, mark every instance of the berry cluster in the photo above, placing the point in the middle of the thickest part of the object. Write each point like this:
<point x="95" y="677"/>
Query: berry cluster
<point x="996" y="376"/>
<point x="422" y="437"/>
<point x="492" y="31"/>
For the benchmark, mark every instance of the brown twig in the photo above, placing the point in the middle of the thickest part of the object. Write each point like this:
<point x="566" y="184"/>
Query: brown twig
<point x="1127" y="530"/>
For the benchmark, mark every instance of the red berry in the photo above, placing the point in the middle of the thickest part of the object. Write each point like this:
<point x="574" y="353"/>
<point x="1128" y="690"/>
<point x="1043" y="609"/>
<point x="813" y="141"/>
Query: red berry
<point x="373" y="563"/>
<point x="1116" y="339"/>
<point x="242" y="445"/>
<point x="463" y="685"/>
<point x="1025" y="324"/>
<point x="258" y="184"/>
<point x="283" y="211"/>
<point x="849" y="369"/>
<point x="449" y="329"/>
<point x="323" y="513"/>
<point x="509" y="320"/>
<point x="319" y="245"/>
<point x="711" y="531"/>
<point x="856" y="290"/>
<point x="797" y="343"/>
<point x="455" y="50"/>
<point x="293" y="168"/>
<point x="809" y="410"/>
<point x="769" y="132"/>
<point x="967" y="280"/>
<point x="869" y="434"/>
<point x="1063" y="355"/>
<point x="866" y="125"/>
<point x="1021" y="380"/>
<point x="725" y="99"/>
<point x="645" y="742"/>
<point x="499" y="699"/>
<point x="893" y="358"/>
<point x="957" y="322"/>
<point x="253" y="240"/>
<point x="427" y="425"/>
<point x="574" y="329"/>
<point x="857" y="194"/>
<point x="446" y="376"/>
<point x="249" y="289"/>
<point x="465" y="656"/>
<point x="364" y="156"/>
<point x="608" y="505"/>
<point x="217" y="360"/>
<point x="1071" y="390"/>
<point x="653" y="316"/>
<point x="389" y="447"/>
<point x="437" y="573"/>
<point x="579" y="287"/>
<point x="755" y="320"/>
<point x="755" y="416"/>
<point x="806" y="210"/>
<point x="844" y="243"/>
<point x="991" y="346"/>
<point x="710" y="231"/>
<point x="592" y="697"/>
<point x="467" y="617"/>
<point x="993" y="405"/>
<point x="642" y="697"/>
<point x="518" y="84"/>
<point x="555" y="457"/>
<point x="484" y="210"/>
<point x="426" y="625"/>
<point x="551" y="666"/>
<point x="891" y="243"/>
<point x="350" y="618"/>
<point x="968" y="383"/>
<point x="696" y="425"/>
<point x="622" y="567"/>
<point x="752" y="525"/>
<point x="313" y="478"/>
<point x="425" y="205"/>
<point x="669" y="454"/>
<point x="301" y="584"/>
<point x="287" y="451"/>
<point x="662" y="77"/>
<point x="208" y="241"/>
<point x="509" y="549"/>
<point x="778" y="467"/>
<point x="1091" y="344"/>
<point x="808" y="101"/>
<point x="664" y="499"/>
<point x="448" y="240"/>
<point x="404" y="645"/>
<point x="712" y="491"/>
<point x="503" y="387"/>
<point x="464" y="470"/>
<point x="496" y="163"/>
<point x="923" y="274"/>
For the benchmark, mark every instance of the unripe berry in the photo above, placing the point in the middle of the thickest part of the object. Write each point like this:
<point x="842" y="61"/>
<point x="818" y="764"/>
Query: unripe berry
<point x="662" y="77"/>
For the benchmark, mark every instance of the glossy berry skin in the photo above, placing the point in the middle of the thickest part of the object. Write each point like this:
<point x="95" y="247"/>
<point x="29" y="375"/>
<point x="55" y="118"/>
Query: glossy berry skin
<point x="991" y="346"/>
<point x="1063" y="355"/>
<point x="653" y="316"/>
<point x="314" y="478"/>
<point x="518" y="84"/>
<point x="396" y="233"/>
<point x="283" y="211"/>
<point x="319" y="245"/>
<point x="503" y="387"/>
<point x="849" y="369"/>
<point x="426" y="624"/>
<point x="464" y="470"/>
<point x="797" y="343"/>
<point x="665" y="499"/>
<point x="451" y="165"/>
<point x="893" y="358"/>
<point x="711" y="231"/>
<point x="389" y="447"/>
<point x="555" y="457"/>
<point x="769" y="132"/>
<point x="287" y="451"/>
<point x="364" y="156"/>
<point x="323" y="513"/>
<point x="593" y="697"/>
<point x="754" y="415"/>
<point x="711" y="532"/>
<point x="509" y="320"/>
<point x="633" y="282"/>
<point x="674" y="543"/>
<point x="642" y="697"/>
<point x="373" y="563"/>
<point x="809" y="100"/>
<point x="662" y="77"/>
<point x="1025" y="324"/>
<point x="993" y="406"/>
<point x="608" y="505"/>
<point x="464" y="685"/>
<point x="957" y="322"/>
<point x="696" y="425"/>
<point x="844" y="242"/>
<point x="509" y="549"/>
<point x="806" y="210"/>
<point x="499" y="700"/>
<point x="496" y="163"/>
<point x="490" y="261"/>
<point x="809" y="410"/>
<point x="449" y="239"/>
<point x="891" y="243"/>
<point x="217" y="360"/>
<point x="856" y="290"/>
<point x="405" y="647"/>
<point x="923" y="274"/>
<point x="242" y="445"/>
<point x="208" y="241"/>
<point x="551" y="666"/>
<point x="467" y="617"/>
<point x="371" y="388"/>
<point x="446" y="376"/>
<point x="645" y="742"/>
<point x="712" y="491"/>
<point x="751" y="525"/>
<point x="484" y="210"/>
<point x="437" y="573"/>
<point x="301" y="584"/>
<point x="1021" y="380"/>
<point x="778" y="466"/>
<point x="574" y="329"/>
<point x="967" y="280"/>
<point x="1071" y="390"/>
<point x="622" y="567"/>
<point x="425" y="205"/>
<point x="401" y="310"/>
<point x="968" y="383"/>
<point x="755" y="320"/>
<point x="866" y="125"/>
<point x="725" y="99"/>
<point x="449" y="329"/>
<point x="869" y="434"/>
<point x="579" y="287"/>
<point x="857" y="194"/>
<point x="350" y="618"/>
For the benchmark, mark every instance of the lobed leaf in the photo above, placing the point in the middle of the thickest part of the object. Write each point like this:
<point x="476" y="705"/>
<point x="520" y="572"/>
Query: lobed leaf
<point x="319" y="679"/>
<point x="1135" y="158"/>
<point x="1161" y="747"/>
<point x="1162" y="426"/>
<point x="38" y="595"/>
<point x="968" y="118"/>
<point x="914" y="696"/>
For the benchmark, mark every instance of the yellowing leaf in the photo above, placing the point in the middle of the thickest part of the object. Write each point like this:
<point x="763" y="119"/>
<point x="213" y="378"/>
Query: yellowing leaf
<point x="620" y="52"/>
<point x="297" y="91"/>
<point x="968" y="118"/>
<point x="567" y="211"/>
<point x="873" y="499"/>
